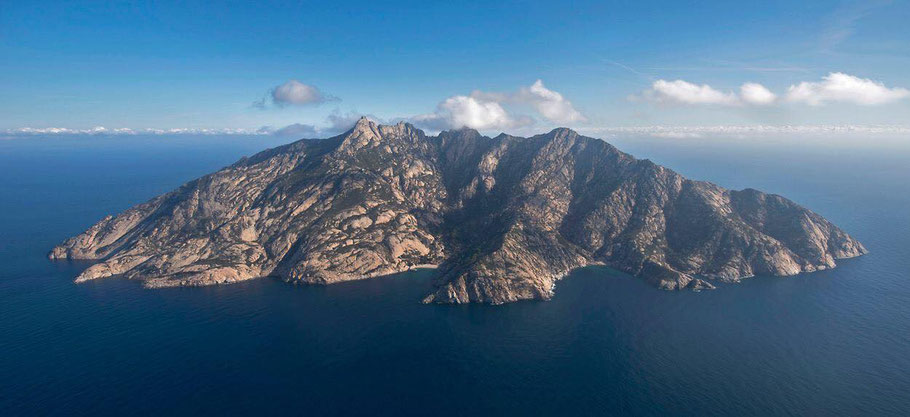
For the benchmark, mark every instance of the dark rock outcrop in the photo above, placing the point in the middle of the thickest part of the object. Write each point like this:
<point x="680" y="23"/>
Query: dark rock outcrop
<point x="503" y="218"/>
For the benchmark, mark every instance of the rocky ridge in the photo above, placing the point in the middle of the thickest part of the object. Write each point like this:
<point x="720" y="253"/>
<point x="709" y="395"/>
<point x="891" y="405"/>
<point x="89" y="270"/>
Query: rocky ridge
<point x="503" y="218"/>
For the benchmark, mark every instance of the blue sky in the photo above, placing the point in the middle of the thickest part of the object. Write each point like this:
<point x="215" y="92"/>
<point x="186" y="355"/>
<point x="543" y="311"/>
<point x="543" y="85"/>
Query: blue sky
<point x="164" y="65"/>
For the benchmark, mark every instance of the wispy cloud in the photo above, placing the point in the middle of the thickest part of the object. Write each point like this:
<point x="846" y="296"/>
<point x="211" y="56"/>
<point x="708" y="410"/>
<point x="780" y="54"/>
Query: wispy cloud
<point x="841" y="24"/>
<point x="628" y="68"/>
<point x="733" y="67"/>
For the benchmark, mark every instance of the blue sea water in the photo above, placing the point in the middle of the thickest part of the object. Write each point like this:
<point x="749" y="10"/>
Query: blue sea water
<point x="829" y="343"/>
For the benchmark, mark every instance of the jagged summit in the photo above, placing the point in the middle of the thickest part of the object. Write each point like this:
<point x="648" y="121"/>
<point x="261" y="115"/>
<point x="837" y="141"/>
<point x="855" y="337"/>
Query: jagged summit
<point x="462" y="132"/>
<point x="503" y="218"/>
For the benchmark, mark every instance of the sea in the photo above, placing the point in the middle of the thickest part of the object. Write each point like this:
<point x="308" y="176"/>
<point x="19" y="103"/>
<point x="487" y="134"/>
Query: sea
<point x="830" y="343"/>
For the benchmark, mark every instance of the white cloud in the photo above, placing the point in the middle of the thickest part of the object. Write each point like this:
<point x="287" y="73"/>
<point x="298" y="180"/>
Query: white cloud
<point x="298" y="93"/>
<point x="100" y="130"/>
<point x="479" y="114"/>
<point x="494" y="111"/>
<point x="684" y="92"/>
<point x="476" y="111"/>
<point x="757" y="94"/>
<point x="744" y="131"/>
<point x="844" y="88"/>
<point x="294" y="93"/>
<point x="550" y="104"/>
<point x="834" y="87"/>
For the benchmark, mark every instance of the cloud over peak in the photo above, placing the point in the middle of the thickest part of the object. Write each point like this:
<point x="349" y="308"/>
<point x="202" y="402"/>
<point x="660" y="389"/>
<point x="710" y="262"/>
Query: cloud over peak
<point x="477" y="111"/>
<point x="496" y="111"/>
<point x="844" y="88"/>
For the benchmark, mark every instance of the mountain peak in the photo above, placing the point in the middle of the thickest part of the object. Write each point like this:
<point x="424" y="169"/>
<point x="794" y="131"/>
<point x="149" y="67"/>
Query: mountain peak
<point x="563" y="131"/>
<point x="364" y="123"/>
<point x="463" y="131"/>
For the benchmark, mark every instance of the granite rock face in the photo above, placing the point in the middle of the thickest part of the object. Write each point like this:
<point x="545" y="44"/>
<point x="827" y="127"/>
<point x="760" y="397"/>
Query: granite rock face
<point x="503" y="218"/>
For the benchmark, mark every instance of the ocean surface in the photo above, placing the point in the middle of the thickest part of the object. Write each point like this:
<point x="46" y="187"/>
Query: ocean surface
<point x="829" y="343"/>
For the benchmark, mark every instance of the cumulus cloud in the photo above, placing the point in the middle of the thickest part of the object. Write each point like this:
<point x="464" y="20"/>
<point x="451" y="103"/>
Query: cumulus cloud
<point x="748" y="131"/>
<point x="495" y="111"/>
<point x="684" y="92"/>
<point x="550" y="104"/>
<point x="844" y="88"/>
<point x="835" y="87"/>
<point x="294" y="93"/>
<point x="475" y="111"/>
<point x="757" y="94"/>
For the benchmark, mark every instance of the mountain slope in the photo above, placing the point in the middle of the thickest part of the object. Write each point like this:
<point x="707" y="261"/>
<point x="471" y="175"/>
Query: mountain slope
<point x="504" y="218"/>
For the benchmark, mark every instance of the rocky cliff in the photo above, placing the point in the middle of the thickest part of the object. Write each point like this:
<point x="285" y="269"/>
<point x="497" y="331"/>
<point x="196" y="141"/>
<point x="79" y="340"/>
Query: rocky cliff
<point x="503" y="218"/>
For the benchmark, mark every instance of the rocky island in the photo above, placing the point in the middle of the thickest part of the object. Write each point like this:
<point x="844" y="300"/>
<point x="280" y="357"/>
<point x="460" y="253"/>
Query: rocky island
<point x="502" y="218"/>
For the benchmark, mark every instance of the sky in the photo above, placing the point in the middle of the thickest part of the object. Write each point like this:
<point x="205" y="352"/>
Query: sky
<point x="307" y="69"/>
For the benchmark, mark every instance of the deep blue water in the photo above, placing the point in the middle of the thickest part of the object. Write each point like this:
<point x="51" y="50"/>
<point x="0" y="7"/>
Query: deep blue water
<point x="830" y="343"/>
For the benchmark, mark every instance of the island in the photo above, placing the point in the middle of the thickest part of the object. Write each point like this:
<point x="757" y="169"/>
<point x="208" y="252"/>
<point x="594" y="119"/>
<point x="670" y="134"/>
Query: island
<point x="502" y="219"/>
